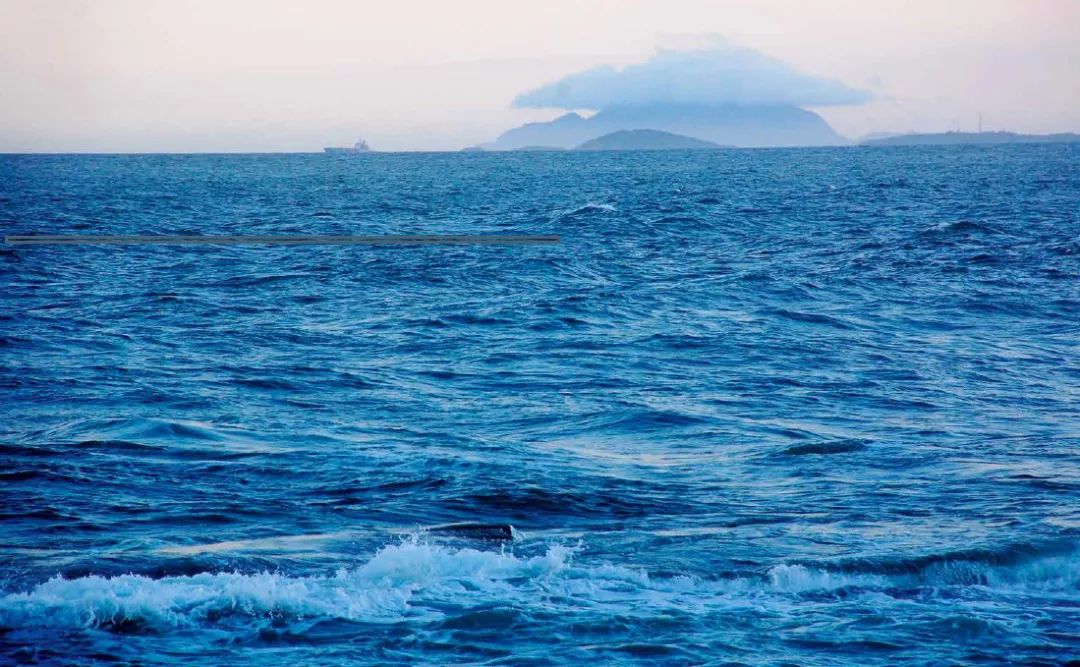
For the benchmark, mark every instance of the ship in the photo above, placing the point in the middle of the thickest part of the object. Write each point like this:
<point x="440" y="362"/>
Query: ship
<point x="360" y="146"/>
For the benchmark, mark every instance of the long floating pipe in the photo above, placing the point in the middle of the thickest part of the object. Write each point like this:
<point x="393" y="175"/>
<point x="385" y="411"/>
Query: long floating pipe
<point x="155" y="239"/>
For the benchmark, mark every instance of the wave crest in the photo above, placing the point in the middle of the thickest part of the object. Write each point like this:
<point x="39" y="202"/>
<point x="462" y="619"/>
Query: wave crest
<point x="380" y="590"/>
<point x="417" y="580"/>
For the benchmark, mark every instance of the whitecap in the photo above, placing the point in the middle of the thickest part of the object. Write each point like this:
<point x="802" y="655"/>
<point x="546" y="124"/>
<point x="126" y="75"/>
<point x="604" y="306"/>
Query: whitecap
<point x="416" y="580"/>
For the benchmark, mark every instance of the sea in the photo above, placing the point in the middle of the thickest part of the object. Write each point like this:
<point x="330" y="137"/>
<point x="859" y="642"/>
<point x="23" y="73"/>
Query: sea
<point x="757" y="407"/>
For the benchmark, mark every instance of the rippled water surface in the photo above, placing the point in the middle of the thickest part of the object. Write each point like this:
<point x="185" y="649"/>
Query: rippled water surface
<point x="819" y="407"/>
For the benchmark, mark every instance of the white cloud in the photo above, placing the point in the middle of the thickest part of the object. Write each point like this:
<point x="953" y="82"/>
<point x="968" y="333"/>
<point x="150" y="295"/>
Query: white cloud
<point x="718" y="74"/>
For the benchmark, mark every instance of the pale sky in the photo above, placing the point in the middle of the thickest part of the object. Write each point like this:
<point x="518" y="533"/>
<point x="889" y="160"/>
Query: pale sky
<point x="292" y="75"/>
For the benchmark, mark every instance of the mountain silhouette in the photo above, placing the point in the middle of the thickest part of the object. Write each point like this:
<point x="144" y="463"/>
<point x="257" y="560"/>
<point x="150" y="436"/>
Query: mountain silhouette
<point x="645" y="140"/>
<point x="733" y="125"/>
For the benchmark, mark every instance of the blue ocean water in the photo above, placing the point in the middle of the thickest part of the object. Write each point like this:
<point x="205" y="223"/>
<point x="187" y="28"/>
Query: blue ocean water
<point x="814" y="407"/>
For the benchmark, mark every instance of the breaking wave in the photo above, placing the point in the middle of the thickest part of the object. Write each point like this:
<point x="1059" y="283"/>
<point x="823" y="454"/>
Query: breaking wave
<point x="591" y="207"/>
<point x="420" y="581"/>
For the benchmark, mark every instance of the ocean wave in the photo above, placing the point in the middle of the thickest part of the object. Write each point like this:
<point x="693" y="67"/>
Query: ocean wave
<point x="393" y="585"/>
<point x="591" y="207"/>
<point x="417" y="580"/>
<point x="846" y="446"/>
<point x="962" y="227"/>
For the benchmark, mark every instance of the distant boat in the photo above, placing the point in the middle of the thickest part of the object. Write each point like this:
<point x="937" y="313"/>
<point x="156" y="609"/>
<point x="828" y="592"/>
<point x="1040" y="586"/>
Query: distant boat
<point x="359" y="147"/>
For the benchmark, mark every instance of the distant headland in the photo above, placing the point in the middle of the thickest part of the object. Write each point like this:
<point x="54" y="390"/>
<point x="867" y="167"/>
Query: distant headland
<point x="977" y="138"/>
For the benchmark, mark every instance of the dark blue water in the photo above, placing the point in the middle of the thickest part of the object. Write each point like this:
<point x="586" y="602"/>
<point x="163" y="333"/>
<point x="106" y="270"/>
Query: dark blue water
<point x="818" y="407"/>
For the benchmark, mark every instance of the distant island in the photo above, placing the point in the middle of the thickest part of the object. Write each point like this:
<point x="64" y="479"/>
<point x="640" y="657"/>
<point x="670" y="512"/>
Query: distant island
<point x="643" y="140"/>
<point x="978" y="138"/>
<point x="732" y="125"/>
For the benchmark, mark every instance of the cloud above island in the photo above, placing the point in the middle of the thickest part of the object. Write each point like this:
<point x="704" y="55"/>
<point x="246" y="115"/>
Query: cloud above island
<point x="718" y="74"/>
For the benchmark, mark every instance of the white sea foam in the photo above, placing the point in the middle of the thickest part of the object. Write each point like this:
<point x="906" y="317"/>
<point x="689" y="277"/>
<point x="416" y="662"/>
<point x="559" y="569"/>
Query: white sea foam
<point x="802" y="579"/>
<point x="421" y="581"/>
<point x="380" y="590"/>
<point x="592" y="206"/>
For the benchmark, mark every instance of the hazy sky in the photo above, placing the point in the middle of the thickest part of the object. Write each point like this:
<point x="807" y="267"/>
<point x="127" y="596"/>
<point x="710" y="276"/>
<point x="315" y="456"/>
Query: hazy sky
<point x="239" y="75"/>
